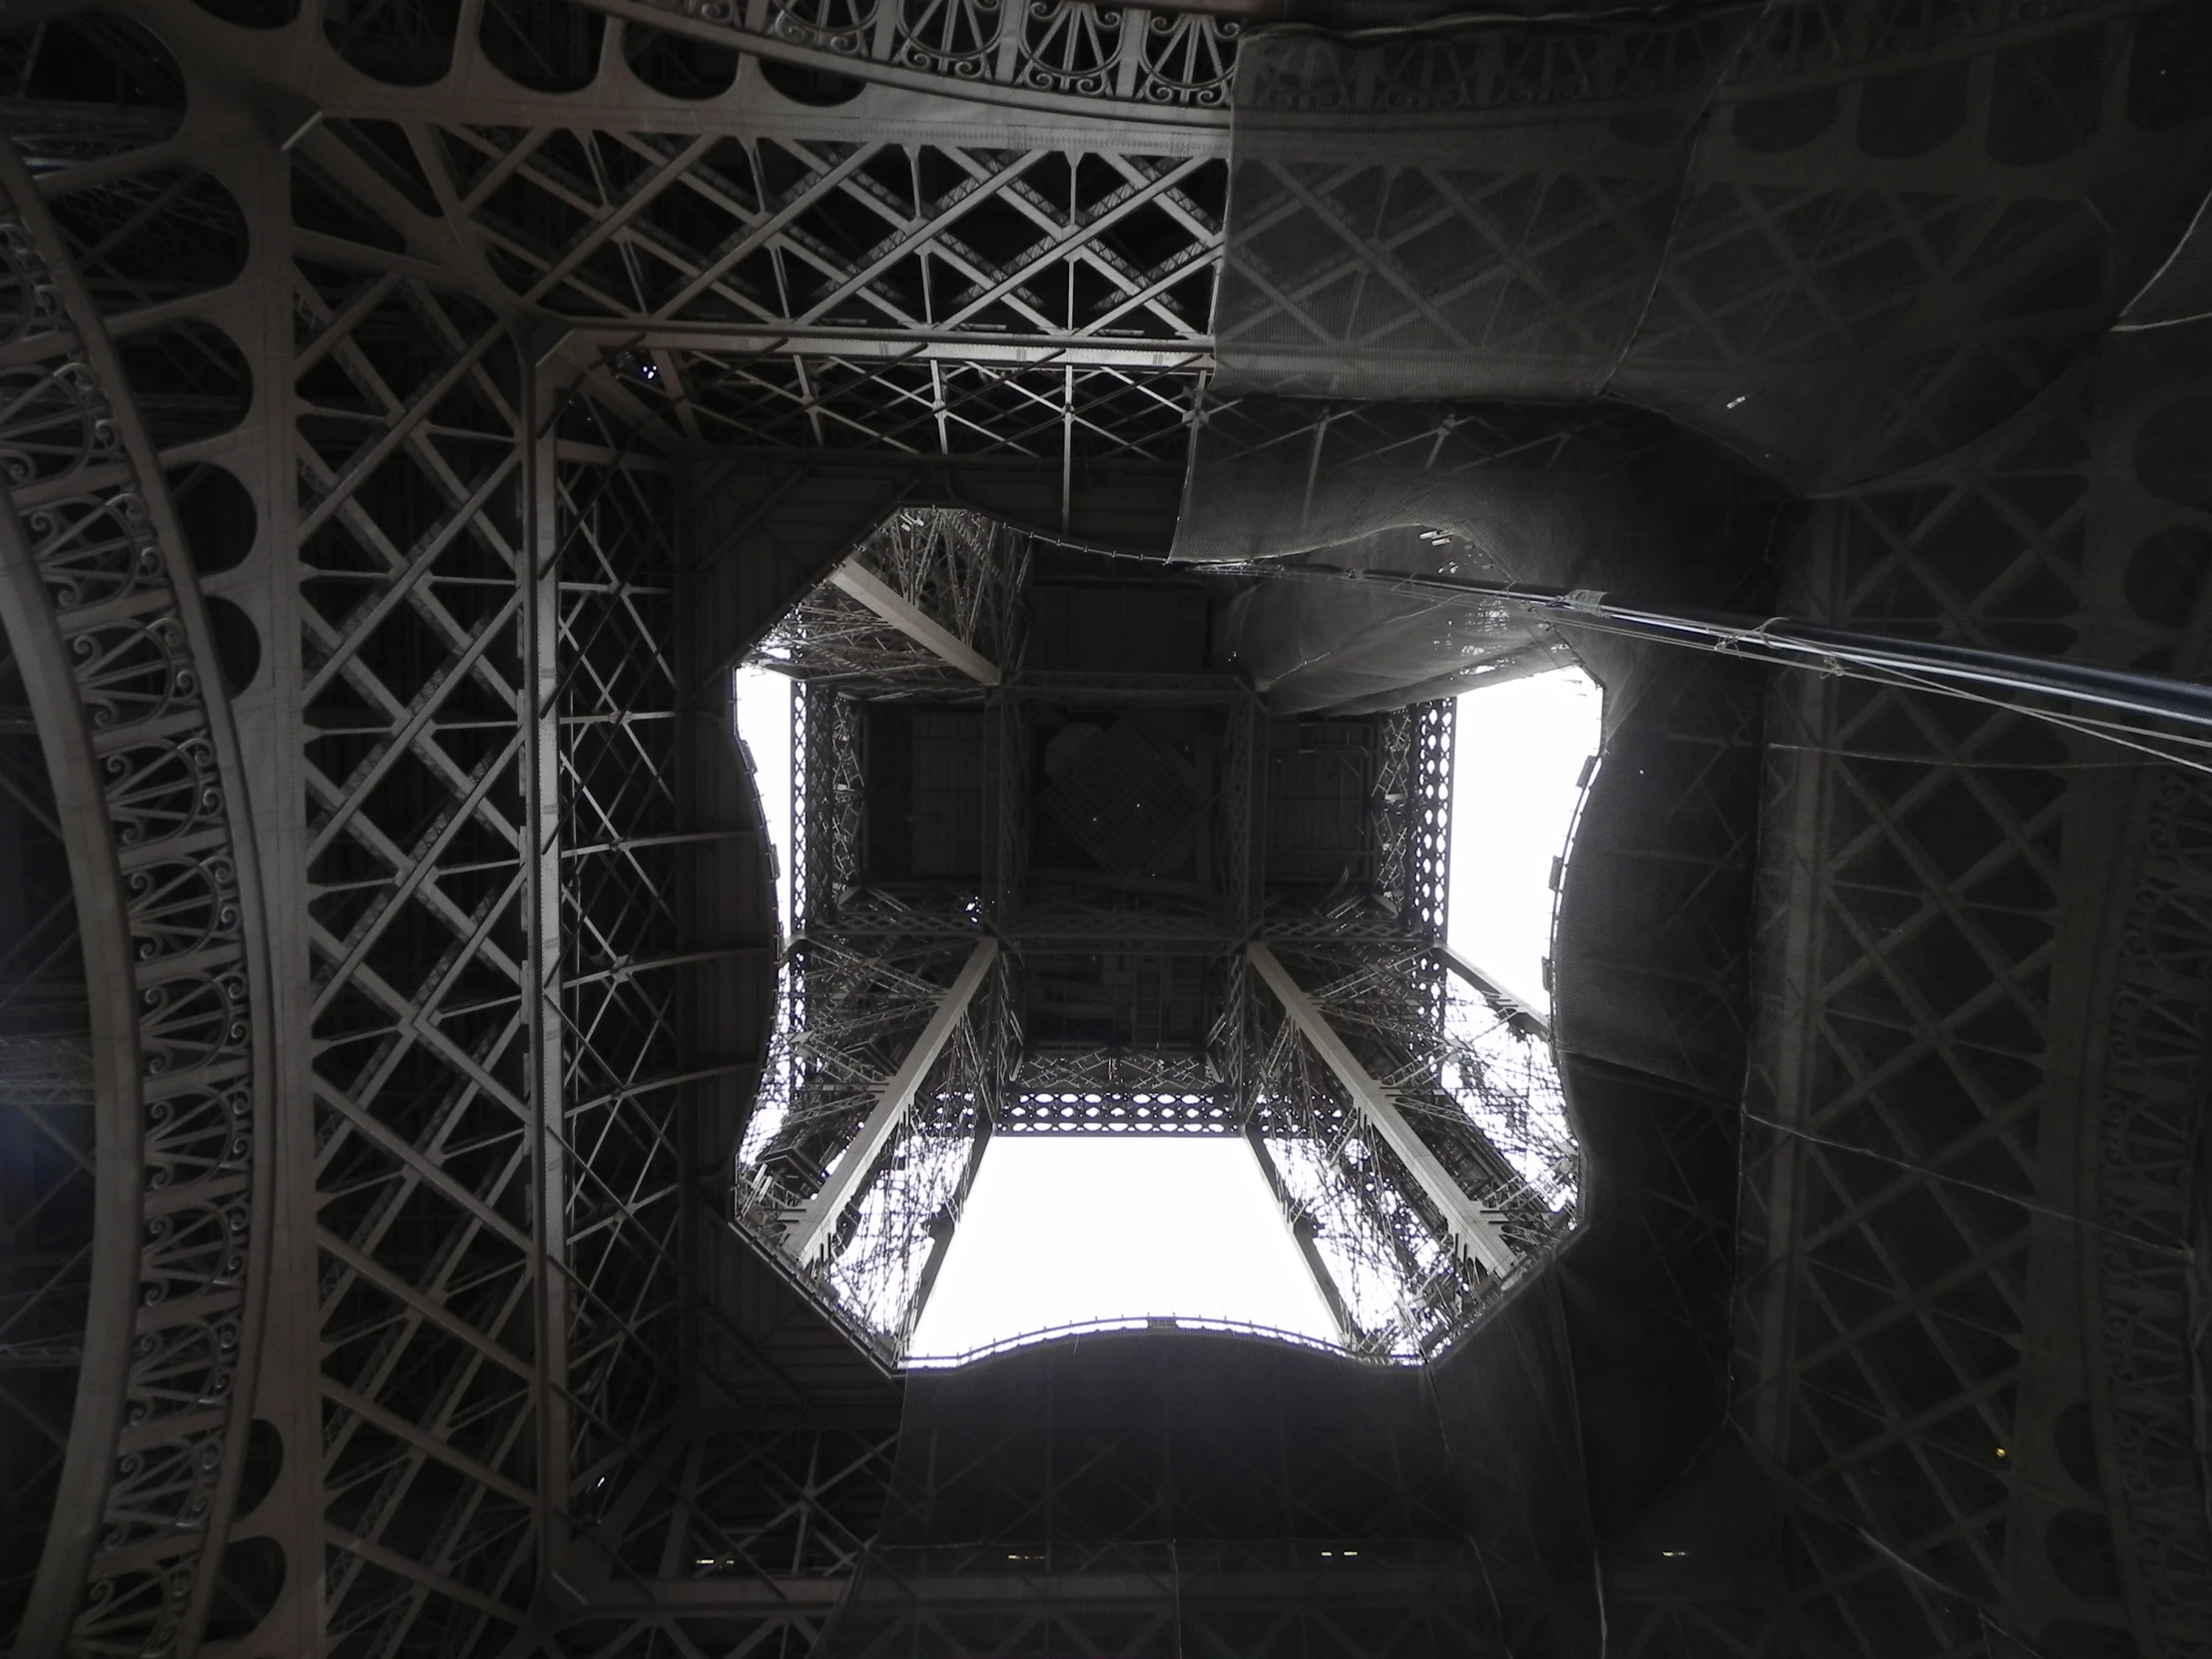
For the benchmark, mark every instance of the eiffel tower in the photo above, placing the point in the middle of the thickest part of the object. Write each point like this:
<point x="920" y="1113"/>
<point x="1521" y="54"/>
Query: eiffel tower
<point x="448" y="1204"/>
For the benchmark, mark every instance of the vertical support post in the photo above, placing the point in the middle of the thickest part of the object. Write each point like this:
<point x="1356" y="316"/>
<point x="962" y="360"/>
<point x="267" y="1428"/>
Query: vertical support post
<point x="1244" y="819"/>
<point x="1068" y="452"/>
<point x="1312" y="464"/>
<point x="810" y="1234"/>
<point x="1301" y="1227"/>
<point x="540" y="579"/>
<point x="1474" y="1230"/>
<point x="1003" y="810"/>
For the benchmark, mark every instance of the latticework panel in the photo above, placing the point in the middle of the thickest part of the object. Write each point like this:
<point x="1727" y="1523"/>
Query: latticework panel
<point x="1412" y="814"/>
<point x="776" y="235"/>
<point x="2149" y="1138"/>
<point x="1922" y="1083"/>
<point x="1842" y="235"/>
<point x="1929" y="1053"/>
<point x="747" y="1540"/>
<point x="961" y="406"/>
<point x="1365" y="262"/>
<point x="1961" y="1121"/>
<point x="412" y="478"/>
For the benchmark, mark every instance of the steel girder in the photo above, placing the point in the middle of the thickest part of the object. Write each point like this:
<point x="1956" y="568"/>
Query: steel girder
<point x="950" y="566"/>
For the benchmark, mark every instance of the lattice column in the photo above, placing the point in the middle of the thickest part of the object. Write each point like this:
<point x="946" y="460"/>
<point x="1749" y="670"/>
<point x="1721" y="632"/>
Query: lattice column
<point x="652" y="970"/>
<point x="1390" y="1262"/>
<point x="883" y="1018"/>
<point x="422" y="849"/>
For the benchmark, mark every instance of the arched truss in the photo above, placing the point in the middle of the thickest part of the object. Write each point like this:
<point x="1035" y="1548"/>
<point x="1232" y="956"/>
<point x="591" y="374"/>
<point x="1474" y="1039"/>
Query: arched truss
<point x="118" y="659"/>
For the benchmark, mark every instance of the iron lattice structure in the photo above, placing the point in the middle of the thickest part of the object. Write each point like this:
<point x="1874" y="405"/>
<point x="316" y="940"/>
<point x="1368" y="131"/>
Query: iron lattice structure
<point x="411" y="413"/>
<point x="875" y="959"/>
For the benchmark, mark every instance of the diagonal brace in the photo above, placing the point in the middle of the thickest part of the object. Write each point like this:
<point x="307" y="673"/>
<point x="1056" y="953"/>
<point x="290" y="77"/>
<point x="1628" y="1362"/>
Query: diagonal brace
<point x="809" y="1235"/>
<point x="1475" y="1232"/>
<point x="910" y="619"/>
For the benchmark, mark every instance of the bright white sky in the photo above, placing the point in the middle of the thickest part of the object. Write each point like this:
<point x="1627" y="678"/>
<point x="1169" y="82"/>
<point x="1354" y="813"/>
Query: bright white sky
<point x="1062" y="1231"/>
<point x="1514" y="791"/>
<point x="1059" y="1230"/>
<point x="765" y="722"/>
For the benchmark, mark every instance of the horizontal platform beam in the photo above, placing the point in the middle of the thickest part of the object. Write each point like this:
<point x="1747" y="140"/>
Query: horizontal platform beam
<point x="1025" y="1582"/>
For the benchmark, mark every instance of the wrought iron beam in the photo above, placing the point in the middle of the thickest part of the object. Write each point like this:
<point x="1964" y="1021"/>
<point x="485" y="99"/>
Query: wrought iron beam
<point x="1149" y="66"/>
<point x="1495" y="994"/>
<point x="885" y="601"/>
<point x="809" y="1236"/>
<point x="1476" y="1232"/>
<point x="1044" y="349"/>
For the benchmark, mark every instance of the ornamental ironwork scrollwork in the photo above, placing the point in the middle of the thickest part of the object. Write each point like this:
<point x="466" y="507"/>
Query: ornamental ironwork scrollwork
<point x="1188" y="59"/>
<point x="950" y="37"/>
<point x="1134" y="56"/>
<point x="1844" y="36"/>
<point x="844" y="26"/>
<point x="1070" y="45"/>
<point x="1490" y="70"/>
<point x="126" y="703"/>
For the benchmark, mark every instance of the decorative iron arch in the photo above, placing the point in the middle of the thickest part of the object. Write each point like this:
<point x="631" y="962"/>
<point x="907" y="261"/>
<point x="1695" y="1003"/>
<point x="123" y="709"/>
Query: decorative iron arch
<point x="122" y="673"/>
